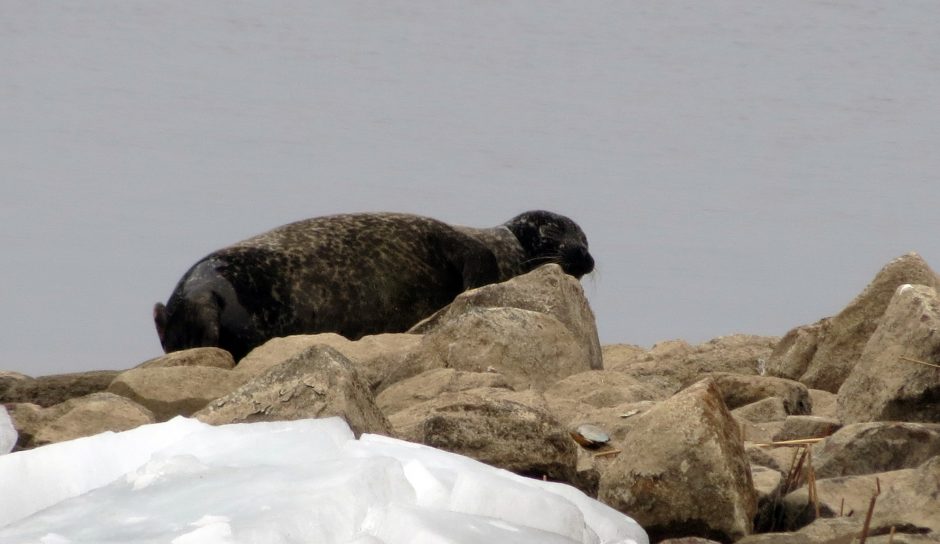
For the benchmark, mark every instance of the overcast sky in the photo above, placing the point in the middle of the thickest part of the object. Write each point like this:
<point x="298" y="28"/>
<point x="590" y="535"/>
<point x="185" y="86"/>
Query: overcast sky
<point x="737" y="166"/>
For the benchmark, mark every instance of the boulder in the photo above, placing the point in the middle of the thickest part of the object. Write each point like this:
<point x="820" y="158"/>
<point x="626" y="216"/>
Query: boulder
<point x="545" y="290"/>
<point x="316" y="383"/>
<point x="77" y="417"/>
<point x="211" y="357"/>
<point x="909" y="497"/>
<point x="687" y="473"/>
<point x="762" y="411"/>
<point x="529" y="348"/>
<point x="824" y="403"/>
<point x="374" y="356"/>
<point x="799" y="427"/>
<point x="431" y="384"/>
<point x="173" y="391"/>
<point x="821" y="355"/>
<point x="867" y="448"/>
<point x="50" y="390"/>
<point x="669" y="366"/>
<point x="887" y="384"/>
<point x="602" y="389"/>
<point x="740" y="389"/>
<point x="503" y="428"/>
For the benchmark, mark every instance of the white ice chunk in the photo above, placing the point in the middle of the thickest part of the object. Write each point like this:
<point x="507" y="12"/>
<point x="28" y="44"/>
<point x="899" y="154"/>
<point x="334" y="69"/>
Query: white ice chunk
<point x="8" y="434"/>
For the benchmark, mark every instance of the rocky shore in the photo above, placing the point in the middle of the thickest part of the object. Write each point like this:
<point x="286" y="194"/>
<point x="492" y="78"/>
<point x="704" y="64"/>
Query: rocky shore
<point x="829" y="434"/>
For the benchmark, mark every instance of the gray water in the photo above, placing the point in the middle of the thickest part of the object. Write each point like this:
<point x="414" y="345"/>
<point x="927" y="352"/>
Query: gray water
<point x="738" y="167"/>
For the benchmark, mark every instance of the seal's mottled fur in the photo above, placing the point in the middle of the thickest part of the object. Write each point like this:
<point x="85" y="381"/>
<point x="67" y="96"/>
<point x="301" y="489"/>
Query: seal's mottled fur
<point x="354" y="274"/>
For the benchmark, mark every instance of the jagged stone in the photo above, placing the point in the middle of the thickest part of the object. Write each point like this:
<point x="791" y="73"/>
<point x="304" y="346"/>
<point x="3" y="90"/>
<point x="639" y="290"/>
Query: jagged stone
<point x="691" y="476"/>
<point x="886" y="385"/>
<point x="175" y="391"/>
<point x="798" y="427"/>
<point x="50" y="390"/>
<point x="867" y="448"/>
<point x="210" y="357"/>
<point x="823" y="354"/>
<point x="431" y="384"/>
<point x="545" y="290"/>
<point x="503" y="428"/>
<point x="374" y="356"/>
<point x="316" y="383"/>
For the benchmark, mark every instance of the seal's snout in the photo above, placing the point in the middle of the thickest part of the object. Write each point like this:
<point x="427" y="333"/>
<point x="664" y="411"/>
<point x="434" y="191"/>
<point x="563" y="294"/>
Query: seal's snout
<point x="576" y="260"/>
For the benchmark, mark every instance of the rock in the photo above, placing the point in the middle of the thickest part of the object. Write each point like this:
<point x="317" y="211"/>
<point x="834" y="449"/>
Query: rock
<point x="506" y="429"/>
<point x="602" y="389"/>
<point x="762" y="411"/>
<point x="77" y="417"/>
<point x="531" y="349"/>
<point x="91" y="415"/>
<point x="8" y="434"/>
<point x="211" y="357"/>
<point x="670" y="366"/>
<point x="799" y="427"/>
<point x="316" y="383"/>
<point x="909" y="497"/>
<point x="822" y="355"/>
<point x="431" y="384"/>
<point x="172" y="391"/>
<point x="824" y="403"/>
<point x="545" y="290"/>
<point x="768" y="483"/>
<point x="50" y="390"/>
<point x="687" y="473"/>
<point x="739" y="390"/>
<point x="866" y="448"/>
<point x="374" y="356"/>
<point x="884" y="386"/>
<point x="9" y="379"/>
<point x="780" y="459"/>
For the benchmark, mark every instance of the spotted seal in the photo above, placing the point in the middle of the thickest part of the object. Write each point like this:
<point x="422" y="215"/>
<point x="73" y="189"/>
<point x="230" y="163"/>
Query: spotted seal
<point x="354" y="274"/>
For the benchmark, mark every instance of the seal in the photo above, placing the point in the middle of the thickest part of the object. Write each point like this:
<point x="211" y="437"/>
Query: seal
<point x="354" y="274"/>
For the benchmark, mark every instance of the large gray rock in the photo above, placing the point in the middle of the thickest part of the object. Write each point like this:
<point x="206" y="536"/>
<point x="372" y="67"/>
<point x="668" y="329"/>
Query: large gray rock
<point x="821" y="355"/>
<point x="374" y="356"/>
<point x="316" y="383"/>
<point x="211" y="357"/>
<point x="740" y="389"/>
<point x="686" y="473"/>
<point x="506" y="429"/>
<point x="867" y="448"/>
<point x="885" y="385"/>
<point x="546" y="290"/>
<point x="175" y="391"/>
<point x="77" y="417"/>
<point x="602" y="388"/>
<point x="51" y="390"/>
<point x="762" y="411"/>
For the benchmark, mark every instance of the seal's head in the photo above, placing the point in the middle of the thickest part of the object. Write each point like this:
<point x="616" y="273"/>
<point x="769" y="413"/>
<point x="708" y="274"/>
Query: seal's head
<point x="547" y="237"/>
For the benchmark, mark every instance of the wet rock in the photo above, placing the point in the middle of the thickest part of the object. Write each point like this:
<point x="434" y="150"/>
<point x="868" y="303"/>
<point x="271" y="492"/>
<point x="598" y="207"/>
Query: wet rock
<point x="687" y="473"/>
<point x="316" y="383"/>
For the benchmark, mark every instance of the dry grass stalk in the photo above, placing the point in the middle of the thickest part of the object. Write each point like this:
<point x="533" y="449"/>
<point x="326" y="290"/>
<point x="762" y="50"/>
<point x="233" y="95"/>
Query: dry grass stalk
<point x="794" y="442"/>
<point x="910" y="360"/>
<point x="606" y="453"/>
<point x="796" y="470"/>
<point x="891" y="535"/>
<point x="871" y="510"/>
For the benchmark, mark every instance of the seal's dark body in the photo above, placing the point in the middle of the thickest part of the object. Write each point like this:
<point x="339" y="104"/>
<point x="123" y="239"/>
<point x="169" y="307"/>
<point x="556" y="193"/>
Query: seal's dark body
<point x="354" y="274"/>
